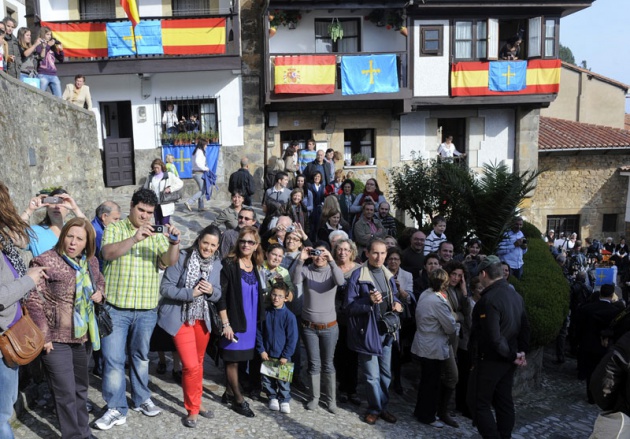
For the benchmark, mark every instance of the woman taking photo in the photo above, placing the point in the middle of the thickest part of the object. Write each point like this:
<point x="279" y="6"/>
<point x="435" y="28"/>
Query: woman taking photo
<point x="184" y="313"/>
<point x="199" y="167"/>
<point x="241" y="307"/>
<point x="28" y="68"/>
<point x="51" y="52"/>
<point x="15" y="283"/>
<point x="319" y="319"/>
<point x="63" y="308"/>
<point x="434" y="325"/>
<point x="161" y="182"/>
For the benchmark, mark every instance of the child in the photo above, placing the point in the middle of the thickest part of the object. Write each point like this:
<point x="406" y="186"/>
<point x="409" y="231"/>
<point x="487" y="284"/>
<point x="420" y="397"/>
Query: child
<point x="170" y="166"/>
<point x="436" y="236"/>
<point x="277" y="339"/>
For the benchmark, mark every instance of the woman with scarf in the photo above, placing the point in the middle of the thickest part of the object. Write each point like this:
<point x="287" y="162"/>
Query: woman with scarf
<point x="15" y="282"/>
<point x="372" y="192"/>
<point x="63" y="308"/>
<point x="184" y="313"/>
<point x="161" y="182"/>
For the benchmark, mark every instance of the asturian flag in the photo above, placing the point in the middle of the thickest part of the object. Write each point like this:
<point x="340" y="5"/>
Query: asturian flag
<point x="508" y="75"/>
<point x="369" y="74"/>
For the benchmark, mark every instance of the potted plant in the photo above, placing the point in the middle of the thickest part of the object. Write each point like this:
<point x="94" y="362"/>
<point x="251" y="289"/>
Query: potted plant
<point x="335" y="30"/>
<point x="289" y="18"/>
<point x="166" y="139"/>
<point x="359" y="159"/>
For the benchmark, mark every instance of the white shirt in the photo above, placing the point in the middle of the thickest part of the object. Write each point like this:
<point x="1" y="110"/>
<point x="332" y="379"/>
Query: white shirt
<point x="448" y="150"/>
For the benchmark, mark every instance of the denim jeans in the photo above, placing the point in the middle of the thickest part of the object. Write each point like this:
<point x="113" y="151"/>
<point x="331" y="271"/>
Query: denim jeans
<point x="320" y="349"/>
<point x="9" y="386"/>
<point x="276" y="389"/>
<point x="378" y="374"/>
<point x="199" y="195"/>
<point x="132" y="328"/>
<point x="53" y="81"/>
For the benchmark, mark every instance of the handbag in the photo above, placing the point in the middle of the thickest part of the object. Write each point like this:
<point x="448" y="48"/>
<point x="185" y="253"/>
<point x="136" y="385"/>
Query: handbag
<point x="170" y="197"/>
<point x="215" y="319"/>
<point x="390" y="321"/>
<point x="103" y="320"/>
<point x="22" y="342"/>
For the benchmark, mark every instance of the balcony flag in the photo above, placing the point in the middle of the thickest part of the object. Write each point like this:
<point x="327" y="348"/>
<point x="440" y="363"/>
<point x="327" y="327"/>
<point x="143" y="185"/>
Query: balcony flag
<point x="81" y="40"/>
<point x="124" y="40"/>
<point x="194" y="36"/>
<point x="131" y="9"/>
<point x="369" y="74"/>
<point x="507" y="75"/>
<point x="305" y="74"/>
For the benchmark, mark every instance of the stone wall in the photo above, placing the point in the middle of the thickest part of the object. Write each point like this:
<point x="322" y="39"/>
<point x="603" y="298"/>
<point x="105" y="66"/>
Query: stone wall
<point x="588" y="185"/>
<point x="48" y="142"/>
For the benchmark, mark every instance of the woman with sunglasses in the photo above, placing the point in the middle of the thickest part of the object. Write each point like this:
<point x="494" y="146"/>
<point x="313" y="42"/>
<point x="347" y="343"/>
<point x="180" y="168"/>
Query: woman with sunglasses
<point x="241" y="307"/>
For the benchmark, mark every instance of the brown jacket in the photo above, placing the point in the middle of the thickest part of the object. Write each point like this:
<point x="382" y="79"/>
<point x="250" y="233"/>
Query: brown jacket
<point x="55" y="316"/>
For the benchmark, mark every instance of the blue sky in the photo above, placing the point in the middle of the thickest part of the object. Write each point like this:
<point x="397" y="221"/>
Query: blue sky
<point x="600" y="35"/>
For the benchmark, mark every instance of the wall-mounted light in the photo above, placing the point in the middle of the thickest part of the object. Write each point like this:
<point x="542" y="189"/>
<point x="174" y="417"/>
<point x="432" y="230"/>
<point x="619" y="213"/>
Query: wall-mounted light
<point x="324" y="120"/>
<point x="291" y="25"/>
<point x="231" y="33"/>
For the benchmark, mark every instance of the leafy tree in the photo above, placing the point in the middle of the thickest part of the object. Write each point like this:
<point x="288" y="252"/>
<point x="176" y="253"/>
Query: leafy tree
<point x="566" y="54"/>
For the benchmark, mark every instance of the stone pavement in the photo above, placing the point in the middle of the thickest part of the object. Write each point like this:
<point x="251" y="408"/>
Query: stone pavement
<point x="556" y="410"/>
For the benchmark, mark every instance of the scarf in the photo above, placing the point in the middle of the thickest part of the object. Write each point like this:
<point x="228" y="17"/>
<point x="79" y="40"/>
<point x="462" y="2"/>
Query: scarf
<point x="12" y="254"/>
<point x="373" y="195"/>
<point x="198" y="268"/>
<point x="84" y="318"/>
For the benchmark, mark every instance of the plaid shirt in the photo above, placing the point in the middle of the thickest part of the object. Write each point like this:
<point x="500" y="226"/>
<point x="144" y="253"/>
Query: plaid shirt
<point x="132" y="280"/>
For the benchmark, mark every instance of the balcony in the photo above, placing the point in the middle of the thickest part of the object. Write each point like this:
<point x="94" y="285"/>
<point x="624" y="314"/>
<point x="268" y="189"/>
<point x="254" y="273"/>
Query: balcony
<point x="165" y="47"/>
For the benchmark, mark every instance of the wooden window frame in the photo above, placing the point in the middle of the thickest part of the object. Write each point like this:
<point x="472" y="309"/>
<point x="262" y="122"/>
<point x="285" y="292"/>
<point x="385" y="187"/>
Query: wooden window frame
<point x="473" y="41"/>
<point x="440" y="39"/>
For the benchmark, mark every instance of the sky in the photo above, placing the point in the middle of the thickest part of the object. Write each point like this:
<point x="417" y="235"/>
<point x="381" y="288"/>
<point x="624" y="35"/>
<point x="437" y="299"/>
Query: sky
<point x="600" y="35"/>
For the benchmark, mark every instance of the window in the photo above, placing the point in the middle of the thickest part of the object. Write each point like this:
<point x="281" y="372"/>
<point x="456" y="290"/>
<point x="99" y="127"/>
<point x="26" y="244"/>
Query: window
<point x="431" y="40"/>
<point x="97" y="9"/>
<point x="350" y="43"/>
<point x="475" y="39"/>
<point x="566" y="224"/>
<point x="286" y="137"/>
<point x="190" y="7"/>
<point x="550" y="39"/>
<point x="202" y="109"/>
<point x="358" y="141"/>
<point x="609" y="222"/>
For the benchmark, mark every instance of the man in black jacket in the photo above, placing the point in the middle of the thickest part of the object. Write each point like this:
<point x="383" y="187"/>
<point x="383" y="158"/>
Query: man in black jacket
<point x="498" y="343"/>
<point x="243" y="181"/>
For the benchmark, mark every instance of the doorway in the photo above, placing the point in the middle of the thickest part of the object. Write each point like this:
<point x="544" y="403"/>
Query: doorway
<point x="455" y="127"/>
<point x="117" y="129"/>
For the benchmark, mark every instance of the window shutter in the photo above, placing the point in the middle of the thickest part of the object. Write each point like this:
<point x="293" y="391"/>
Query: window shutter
<point x="493" y="38"/>
<point x="533" y="39"/>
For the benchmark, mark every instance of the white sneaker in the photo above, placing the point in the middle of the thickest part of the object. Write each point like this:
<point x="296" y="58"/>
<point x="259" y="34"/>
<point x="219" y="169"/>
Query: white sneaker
<point x="109" y="419"/>
<point x="285" y="408"/>
<point x="274" y="405"/>
<point x="437" y="424"/>
<point x="147" y="408"/>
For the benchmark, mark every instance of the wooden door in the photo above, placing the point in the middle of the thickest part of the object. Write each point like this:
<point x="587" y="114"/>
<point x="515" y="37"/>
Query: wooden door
<point x="119" y="165"/>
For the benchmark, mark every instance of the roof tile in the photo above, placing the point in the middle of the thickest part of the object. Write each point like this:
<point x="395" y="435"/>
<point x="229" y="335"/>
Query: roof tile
<point x="559" y="134"/>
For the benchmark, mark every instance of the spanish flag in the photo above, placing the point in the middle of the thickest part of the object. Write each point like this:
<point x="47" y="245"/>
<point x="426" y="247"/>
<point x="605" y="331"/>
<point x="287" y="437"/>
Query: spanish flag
<point x="195" y="36"/>
<point x="131" y="9"/>
<point x="474" y="78"/>
<point x="81" y="40"/>
<point x="308" y="74"/>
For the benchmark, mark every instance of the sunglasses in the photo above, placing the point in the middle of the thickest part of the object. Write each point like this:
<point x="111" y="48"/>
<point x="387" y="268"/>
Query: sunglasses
<point x="241" y="217"/>
<point x="247" y="242"/>
<point x="2" y="32"/>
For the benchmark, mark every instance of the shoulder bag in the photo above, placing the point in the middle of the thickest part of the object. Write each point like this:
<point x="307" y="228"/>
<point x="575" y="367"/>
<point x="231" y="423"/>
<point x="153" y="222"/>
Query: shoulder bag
<point x="103" y="319"/>
<point x="22" y="342"/>
<point x="170" y="197"/>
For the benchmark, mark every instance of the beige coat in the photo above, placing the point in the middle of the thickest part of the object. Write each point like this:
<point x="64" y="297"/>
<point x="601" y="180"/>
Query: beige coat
<point x="78" y="97"/>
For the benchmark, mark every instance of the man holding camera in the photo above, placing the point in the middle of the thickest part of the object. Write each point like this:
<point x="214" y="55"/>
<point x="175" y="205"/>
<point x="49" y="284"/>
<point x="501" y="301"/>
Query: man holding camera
<point x="513" y="247"/>
<point x="134" y="251"/>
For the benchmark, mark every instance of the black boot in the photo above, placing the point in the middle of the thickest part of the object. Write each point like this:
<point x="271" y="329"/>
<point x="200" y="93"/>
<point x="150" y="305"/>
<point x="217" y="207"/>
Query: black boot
<point x="444" y="398"/>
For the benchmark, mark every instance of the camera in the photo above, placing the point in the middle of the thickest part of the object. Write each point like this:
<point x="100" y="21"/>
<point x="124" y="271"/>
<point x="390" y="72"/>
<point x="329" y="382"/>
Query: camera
<point x="315" y="252"/>
<point x="52" y="200"/>
<point x="157" y="228"/>
<point x="290" y="229"/>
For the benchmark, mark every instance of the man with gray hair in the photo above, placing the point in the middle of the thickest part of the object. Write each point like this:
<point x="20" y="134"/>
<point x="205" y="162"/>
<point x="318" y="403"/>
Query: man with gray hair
<point x="242" y="180"/>
<point x="106" y="213"/>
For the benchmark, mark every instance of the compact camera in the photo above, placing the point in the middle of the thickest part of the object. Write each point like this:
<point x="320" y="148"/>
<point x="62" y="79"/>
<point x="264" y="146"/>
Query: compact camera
<point x="315" y="252"/>
<point x="52" y="200"/>
<point x="157" y="228"/>
<point x="290" y="229"/>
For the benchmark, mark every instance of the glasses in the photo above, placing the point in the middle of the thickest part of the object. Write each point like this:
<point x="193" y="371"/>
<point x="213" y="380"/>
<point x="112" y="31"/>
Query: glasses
<point x="343" y="250"/>
<point x="247" y="242"/>
<point x="241" y="217"/>
<point x="394" y="259"/>
<point x="277" y="296"/>
<point x="293" y="239"/>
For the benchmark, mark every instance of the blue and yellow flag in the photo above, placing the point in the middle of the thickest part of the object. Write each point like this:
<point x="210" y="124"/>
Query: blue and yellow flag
<point x="508" y="75"/>
<point x="125" y="40"/>
<point x="183" y="157"/>
<point x="368" y="74"/>
<point x="604" y="276"/>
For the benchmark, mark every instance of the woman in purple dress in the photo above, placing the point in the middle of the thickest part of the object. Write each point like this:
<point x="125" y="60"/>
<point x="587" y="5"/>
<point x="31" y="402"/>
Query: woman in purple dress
<point x="240" y="307"/>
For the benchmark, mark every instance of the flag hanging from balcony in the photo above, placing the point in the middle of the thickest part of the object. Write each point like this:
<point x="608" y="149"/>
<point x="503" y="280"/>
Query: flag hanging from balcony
<point x="369" y="74"/>
<point x="305" y="74"/>
<point x="125" y="40"/>
<point x="202" y="36"/>
<point x="131" y="9"/>
<point x="605" y="276"/>
<point x="507" y="75"/>
<point x="542" y="76"/>
<point x="81" y="40"/>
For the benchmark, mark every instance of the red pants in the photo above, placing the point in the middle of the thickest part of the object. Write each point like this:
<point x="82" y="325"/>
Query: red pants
<point x="191" y="342"/>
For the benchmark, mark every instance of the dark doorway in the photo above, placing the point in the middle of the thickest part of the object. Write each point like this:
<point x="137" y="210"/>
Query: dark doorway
<point x="455" y="127"/>
<point x="118" y="150"/>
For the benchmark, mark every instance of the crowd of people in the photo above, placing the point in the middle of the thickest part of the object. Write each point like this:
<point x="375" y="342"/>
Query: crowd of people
<point x="324" y="269"/>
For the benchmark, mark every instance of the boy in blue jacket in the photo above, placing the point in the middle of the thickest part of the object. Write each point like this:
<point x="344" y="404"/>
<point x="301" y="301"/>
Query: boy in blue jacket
<point x="277" y="338"/>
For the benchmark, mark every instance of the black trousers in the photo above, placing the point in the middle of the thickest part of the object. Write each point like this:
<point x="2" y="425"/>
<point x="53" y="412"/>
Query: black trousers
<point x="428" y="390"/>
<point x="67" y="368"/>
<point x="493" y="388"/>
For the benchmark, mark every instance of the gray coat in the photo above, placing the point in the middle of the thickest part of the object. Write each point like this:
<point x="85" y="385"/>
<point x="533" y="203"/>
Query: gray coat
<point x="11" y="291"/>
<point x="174" y="294"/>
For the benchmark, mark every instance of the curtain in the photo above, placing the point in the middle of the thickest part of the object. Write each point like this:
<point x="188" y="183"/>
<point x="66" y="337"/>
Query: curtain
<point x="550" y="37"/>
<point x="463" y="39"/>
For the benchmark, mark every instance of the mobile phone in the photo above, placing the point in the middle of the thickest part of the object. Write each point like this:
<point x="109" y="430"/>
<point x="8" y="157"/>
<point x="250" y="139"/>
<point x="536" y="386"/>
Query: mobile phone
<point x="52" y="200"/>
<point x="157" y="228"/>
<point x="234" y="339"/>
<point x="173" y="238"/>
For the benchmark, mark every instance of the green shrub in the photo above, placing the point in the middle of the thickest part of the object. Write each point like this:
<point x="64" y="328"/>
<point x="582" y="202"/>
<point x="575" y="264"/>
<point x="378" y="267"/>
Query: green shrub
<point x="544" y="288"/>
<point x="359" y="186"/>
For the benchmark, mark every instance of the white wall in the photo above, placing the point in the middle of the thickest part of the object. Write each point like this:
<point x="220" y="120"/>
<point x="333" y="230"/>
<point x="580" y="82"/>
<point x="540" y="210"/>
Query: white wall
<point x="225" y="86"/>
<point x="431" y="73"/>
<point x="20" y="12"/>
<point x="499" y="139"/>
<point x="414" y="135"/>
<point x="302" y="38"/>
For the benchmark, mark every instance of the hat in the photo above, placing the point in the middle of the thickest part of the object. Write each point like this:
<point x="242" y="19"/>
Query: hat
<point x="488" y="261"/>
<point x="551" y="231"/>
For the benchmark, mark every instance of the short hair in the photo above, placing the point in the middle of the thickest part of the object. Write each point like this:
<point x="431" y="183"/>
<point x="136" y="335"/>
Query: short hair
<point x="237" y="192"/>
<point x="322" y="244"/>
<point x="311" y="141"/>
<point x="353" y="248"/>
<point x="431" y="255"/>
<point x="438" y="280"/>
<point x="248" y="209"/>
<point x="443" y="243"/>
<point x="329" y="150"/>
<point x="339" y="172"/>
<point x="144" y="196"/>
<point x="169" y="156"/>
<point x="11" y="19"/>
<point x="294" y="143"/>
<point x="321" y="176"/>
<point x="297" y="190"/>
<point x="244" y="162"/>
<point x="79" y="76"/>
<point x="607" y="290"/>
<point x="394" y="250"/>
<point x="438" y="219"/>
<point x="375" y="241"/>
<point x="474" y="282"/>
<point x="159" y="162"/>
<point x="368" y="203"/>
<point x="279" y="176"/>
<point x="106" y="207"/>
<point x="90" y="241"/>
<point x="336" y="233"/>
<point x="451" y="266"/>
<point x="472" y="242"/>
<point x="493" y="271"/>
<point x="348" y="181"/>
<point x="280" y="285"/>
<point x="274" y="247"/>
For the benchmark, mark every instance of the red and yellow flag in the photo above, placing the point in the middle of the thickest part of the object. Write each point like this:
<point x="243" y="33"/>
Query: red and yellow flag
<point x="131" y="9"/>
<point x="81" y="40"/>
<point x="472" y="78"/>
<point x="305" y="74"/>
<point x="195" y="36"/>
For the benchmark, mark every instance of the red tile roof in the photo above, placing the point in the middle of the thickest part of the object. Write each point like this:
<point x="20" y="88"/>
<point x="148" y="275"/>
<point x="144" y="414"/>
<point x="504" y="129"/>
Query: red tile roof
<point x="558" y="134"/>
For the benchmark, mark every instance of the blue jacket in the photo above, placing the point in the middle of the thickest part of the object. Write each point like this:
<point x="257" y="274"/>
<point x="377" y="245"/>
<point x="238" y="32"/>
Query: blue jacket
<point x="98" y="228"/>
<point x="363" y="336"/>
<point x="278" y="335"/>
